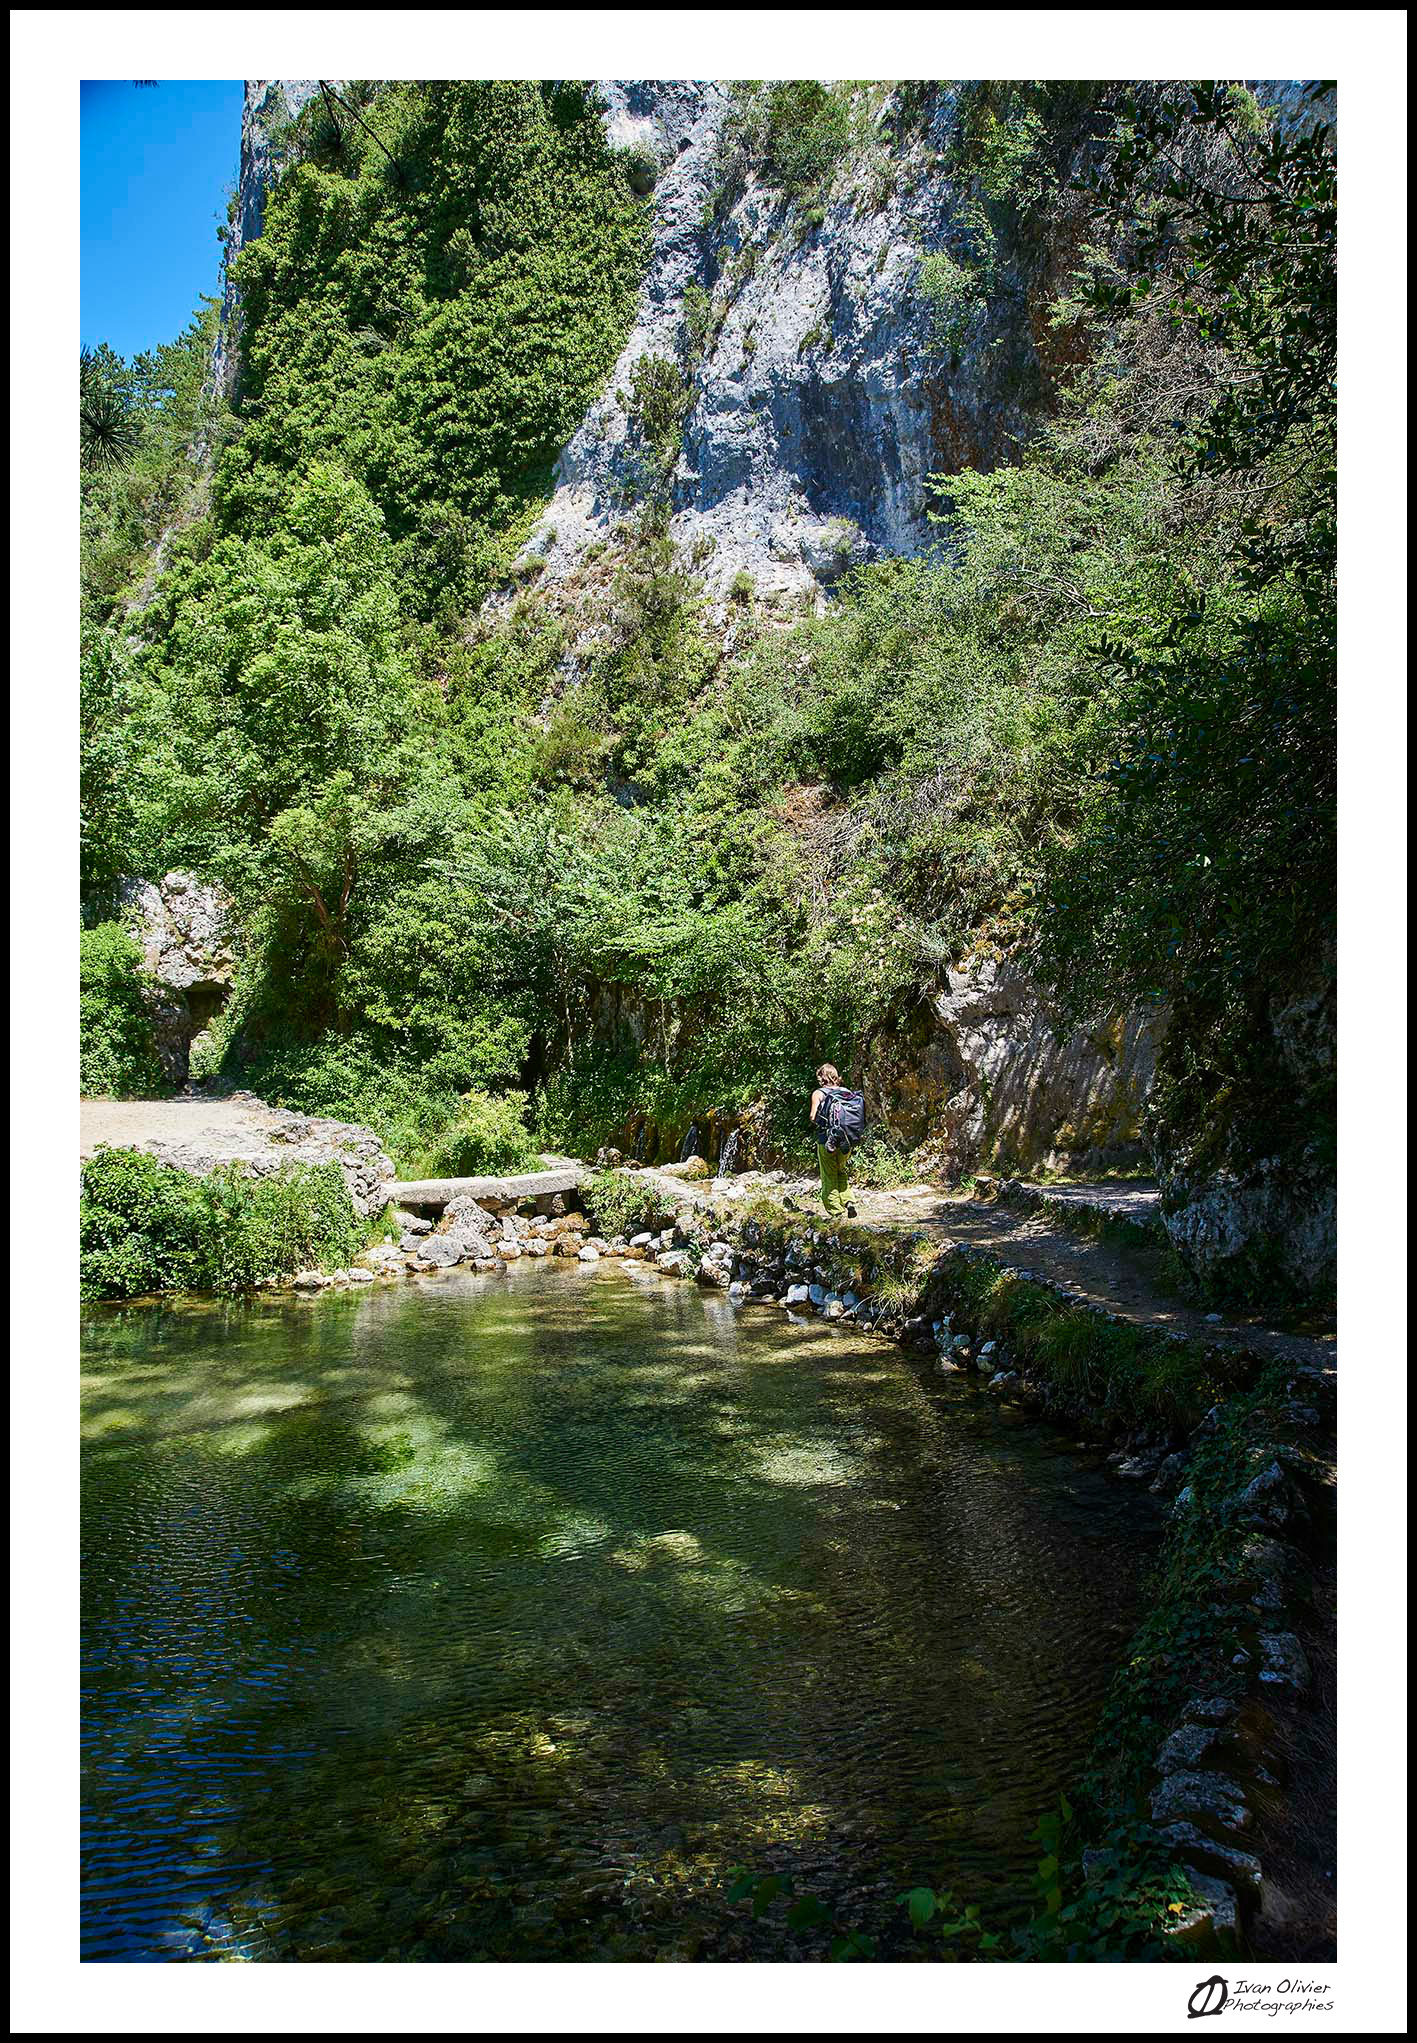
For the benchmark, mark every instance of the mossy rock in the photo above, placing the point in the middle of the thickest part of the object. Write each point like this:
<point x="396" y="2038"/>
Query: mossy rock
<point x="693" y="1168"/>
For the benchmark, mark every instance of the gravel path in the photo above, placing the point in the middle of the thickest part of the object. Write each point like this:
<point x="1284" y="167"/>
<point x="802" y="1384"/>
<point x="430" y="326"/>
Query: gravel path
<point x="239" y="1127"/>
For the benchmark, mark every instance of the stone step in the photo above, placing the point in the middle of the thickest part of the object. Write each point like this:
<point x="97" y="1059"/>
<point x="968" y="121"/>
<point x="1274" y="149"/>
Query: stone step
<point x="503" y="1191"/>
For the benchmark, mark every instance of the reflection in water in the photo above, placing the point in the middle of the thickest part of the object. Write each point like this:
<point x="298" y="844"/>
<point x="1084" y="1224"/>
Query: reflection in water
<point x="498" y="1618"/>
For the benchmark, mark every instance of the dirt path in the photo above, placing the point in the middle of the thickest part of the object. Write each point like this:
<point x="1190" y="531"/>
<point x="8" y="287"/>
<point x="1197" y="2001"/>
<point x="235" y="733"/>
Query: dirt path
<point x="1122" y="1276"/>
<point x="236" y="1126"/>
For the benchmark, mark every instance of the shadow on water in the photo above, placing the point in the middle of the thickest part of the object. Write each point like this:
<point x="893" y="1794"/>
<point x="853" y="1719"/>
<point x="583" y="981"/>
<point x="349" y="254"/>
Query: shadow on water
<point x="498" y="1618"/>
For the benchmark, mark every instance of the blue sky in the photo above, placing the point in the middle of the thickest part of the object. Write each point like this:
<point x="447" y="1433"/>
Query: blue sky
<point x="155" y="165"/>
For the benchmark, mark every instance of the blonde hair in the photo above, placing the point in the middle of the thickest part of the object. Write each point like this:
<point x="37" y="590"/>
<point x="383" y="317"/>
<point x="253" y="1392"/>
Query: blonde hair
<point x="827" y="1074"/>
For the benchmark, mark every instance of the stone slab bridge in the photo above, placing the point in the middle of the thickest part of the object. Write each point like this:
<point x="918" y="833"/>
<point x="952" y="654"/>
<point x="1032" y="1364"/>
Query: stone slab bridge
<point x="436" y="1193"/>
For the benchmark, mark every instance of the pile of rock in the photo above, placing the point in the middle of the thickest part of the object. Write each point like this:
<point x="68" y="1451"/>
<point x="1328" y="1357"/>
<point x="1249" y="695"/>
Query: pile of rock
<point x="486" y="1236"/>
<point x="746" y="1271"/>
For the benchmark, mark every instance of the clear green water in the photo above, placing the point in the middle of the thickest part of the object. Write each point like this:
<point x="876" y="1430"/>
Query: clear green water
<point x="497" y="1618"/>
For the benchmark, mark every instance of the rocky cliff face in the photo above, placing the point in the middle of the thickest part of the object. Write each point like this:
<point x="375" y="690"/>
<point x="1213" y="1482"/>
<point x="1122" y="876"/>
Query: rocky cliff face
<point x="188" y="943"/>
<point x="820" y="397"/>
<point x="270" y="104"/>
<point x="985" y="1073"/>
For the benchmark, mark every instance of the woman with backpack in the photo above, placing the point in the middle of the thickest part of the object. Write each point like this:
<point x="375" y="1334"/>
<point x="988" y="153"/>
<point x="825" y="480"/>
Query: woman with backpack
<point x="838" y="1120"/>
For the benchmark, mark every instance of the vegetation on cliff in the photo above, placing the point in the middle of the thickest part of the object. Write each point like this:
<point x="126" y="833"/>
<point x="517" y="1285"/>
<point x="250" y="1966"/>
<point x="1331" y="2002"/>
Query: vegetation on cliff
<point x="1095" y="726"/>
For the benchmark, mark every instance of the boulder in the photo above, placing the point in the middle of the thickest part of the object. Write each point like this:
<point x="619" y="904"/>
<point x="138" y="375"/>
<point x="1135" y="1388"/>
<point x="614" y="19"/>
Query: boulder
<point x="1212" y="1855"/>
<point x="1210" y="1924"/>
<point x="1187" y="1748"/>
<point x="1283" y="1662"/>
<point x="185" y="931"/>
<point x="1211" y="1800"/>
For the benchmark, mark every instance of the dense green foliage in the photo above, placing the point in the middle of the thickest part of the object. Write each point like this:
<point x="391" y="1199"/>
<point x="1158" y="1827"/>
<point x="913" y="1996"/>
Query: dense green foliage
<point x="137" y="424"/>
<point x="145" y="1227"/>
<point x="1202" y="864"/>
<point x="573" y="846"/>
<point x="116" y="1052"/>
<point x="435" y="318"/>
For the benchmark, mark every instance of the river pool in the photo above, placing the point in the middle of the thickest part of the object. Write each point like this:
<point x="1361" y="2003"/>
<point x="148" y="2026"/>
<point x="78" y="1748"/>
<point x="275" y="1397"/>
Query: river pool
<point x="499" y="1617"/>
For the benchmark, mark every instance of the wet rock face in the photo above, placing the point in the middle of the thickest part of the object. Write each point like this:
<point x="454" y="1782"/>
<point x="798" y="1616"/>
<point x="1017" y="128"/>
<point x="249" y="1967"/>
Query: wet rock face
<point x="185" y="932"/>
<point x="985" y="1072"/>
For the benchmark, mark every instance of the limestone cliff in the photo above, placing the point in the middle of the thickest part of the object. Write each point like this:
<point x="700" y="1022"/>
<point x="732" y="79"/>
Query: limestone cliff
<point x="269" y="105"/>
<point x="821" y="396"/>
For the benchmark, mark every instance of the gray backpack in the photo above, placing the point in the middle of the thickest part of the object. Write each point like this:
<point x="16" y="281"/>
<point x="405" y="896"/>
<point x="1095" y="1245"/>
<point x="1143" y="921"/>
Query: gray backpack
<point x="841" y="1119"/>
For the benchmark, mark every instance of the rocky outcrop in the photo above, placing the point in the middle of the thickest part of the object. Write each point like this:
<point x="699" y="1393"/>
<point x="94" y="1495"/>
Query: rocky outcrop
<point x="271" y="103"/>
<point x="1264" y="1224"/>
<point x="985" y="1073"/>
<point x="1269" y="1230"/>
<point x="184" y="929"/>
<point x="198" y="1135"/>
<point x="820" y="396"/>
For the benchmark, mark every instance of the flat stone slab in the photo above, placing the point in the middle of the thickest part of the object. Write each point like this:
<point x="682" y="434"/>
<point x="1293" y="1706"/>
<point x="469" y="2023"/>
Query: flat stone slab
<point x="1134" y="1199"/>
<point x="532" y="1184"/>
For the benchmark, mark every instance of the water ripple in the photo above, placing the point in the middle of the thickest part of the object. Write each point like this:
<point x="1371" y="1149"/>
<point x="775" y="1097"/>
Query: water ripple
<point x="499" y="1618"/>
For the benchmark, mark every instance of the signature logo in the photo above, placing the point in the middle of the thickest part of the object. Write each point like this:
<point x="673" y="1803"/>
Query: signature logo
<point x="1209" y="1998"/>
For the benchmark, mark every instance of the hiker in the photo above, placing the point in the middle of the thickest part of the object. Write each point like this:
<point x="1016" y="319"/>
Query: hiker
<point x="838" y="1120"/>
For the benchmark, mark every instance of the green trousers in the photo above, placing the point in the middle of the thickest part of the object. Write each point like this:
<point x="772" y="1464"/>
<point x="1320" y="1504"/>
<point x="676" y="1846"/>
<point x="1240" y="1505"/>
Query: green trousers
<point x="834" y="1179"/>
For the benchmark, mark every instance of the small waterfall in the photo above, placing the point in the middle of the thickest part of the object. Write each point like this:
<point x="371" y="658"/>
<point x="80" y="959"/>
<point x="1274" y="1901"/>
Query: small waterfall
<point x="728" y="1155"/>
<point x="640" y="1143"/>
<point x="691" y="1143"/>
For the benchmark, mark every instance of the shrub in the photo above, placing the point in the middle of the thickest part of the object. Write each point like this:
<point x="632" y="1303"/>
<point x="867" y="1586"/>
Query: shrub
<point x="806" y="132"/>
<point x="698" y="320"/>
<point x="146" y="1227"/>
<point x="951" y="296"/>
<point x="489" y="1134"/>
<point x="640" y="164"/>
<point x="655" y="404"/>
<point x="140" y="1225"/>
<point x="429" y="1125"/>
<point x="622" y="1202"/>
<point x="117" y="1054"/>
